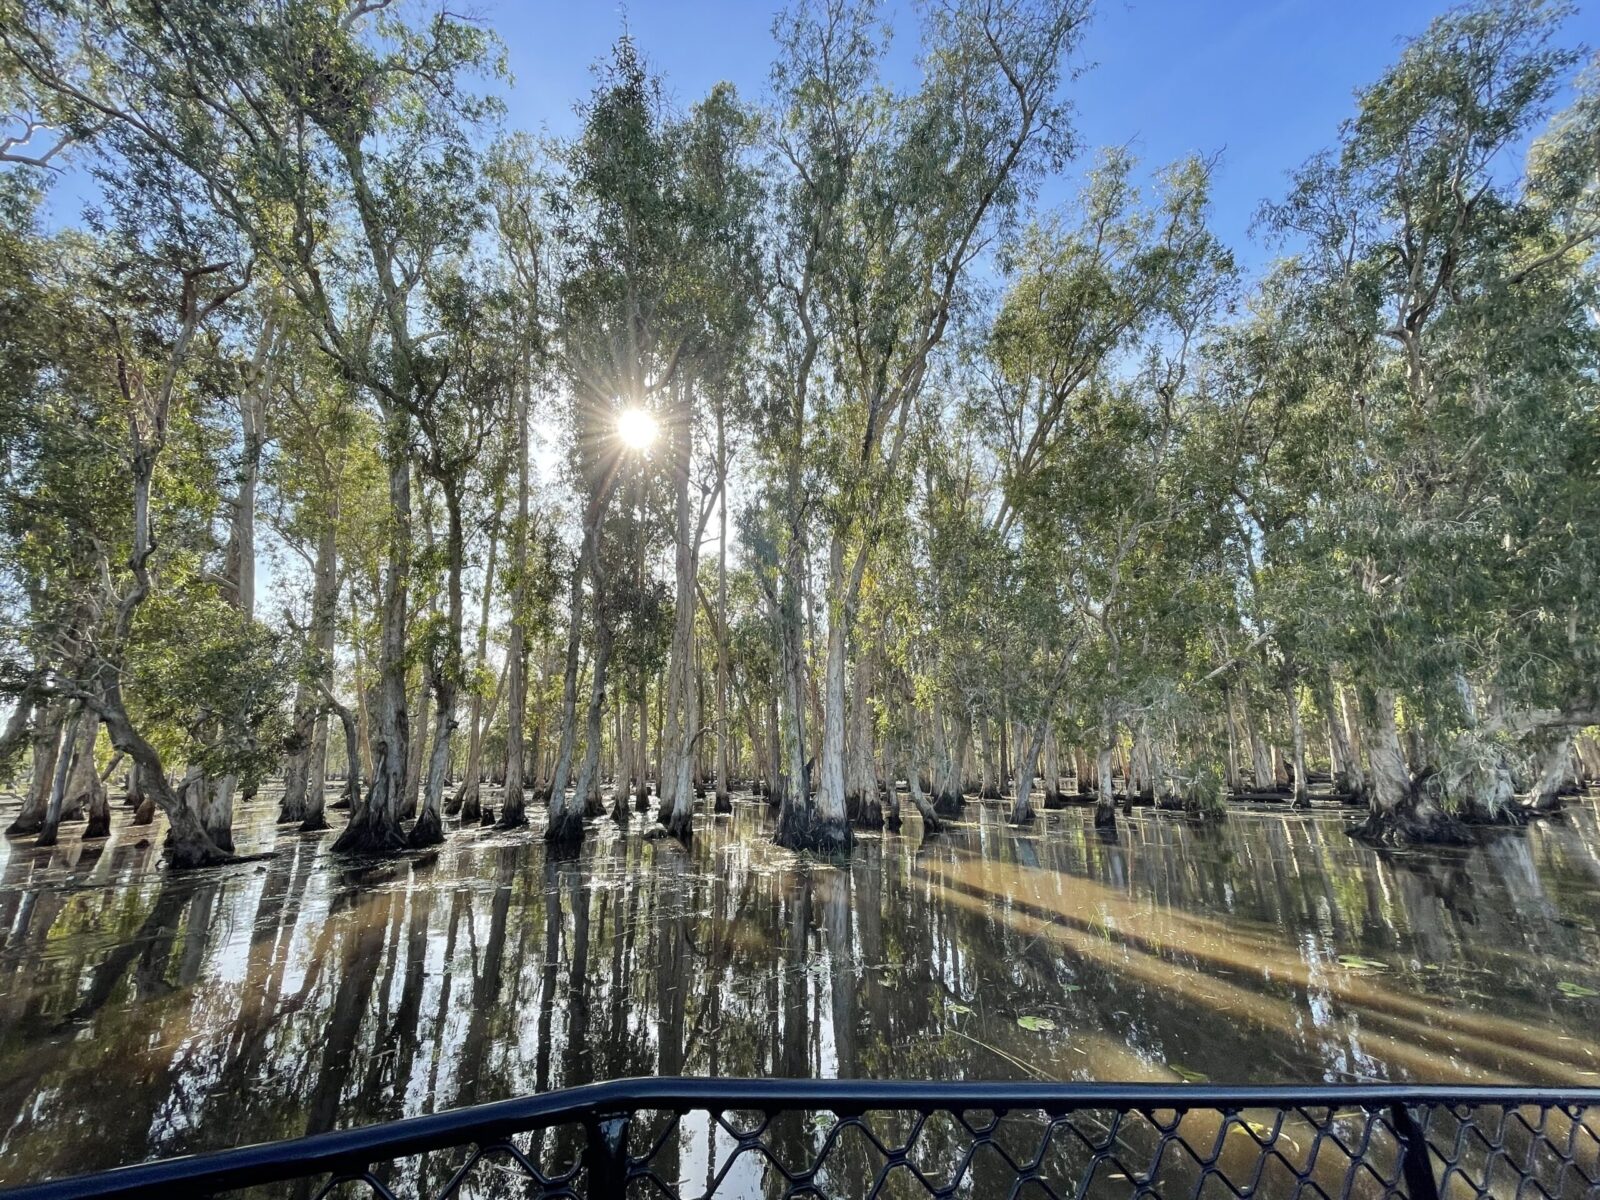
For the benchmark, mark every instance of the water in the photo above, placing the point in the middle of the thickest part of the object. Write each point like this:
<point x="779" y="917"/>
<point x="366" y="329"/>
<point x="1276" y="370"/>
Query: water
<point x="146" y="1014"/>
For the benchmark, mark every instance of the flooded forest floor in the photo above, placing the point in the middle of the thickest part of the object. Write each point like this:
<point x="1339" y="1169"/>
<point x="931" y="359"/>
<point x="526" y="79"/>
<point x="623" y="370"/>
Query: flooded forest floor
<point x="146" y="1013"/>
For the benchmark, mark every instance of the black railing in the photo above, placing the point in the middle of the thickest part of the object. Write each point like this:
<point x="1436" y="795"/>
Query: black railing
<point x="681" y="1138"/>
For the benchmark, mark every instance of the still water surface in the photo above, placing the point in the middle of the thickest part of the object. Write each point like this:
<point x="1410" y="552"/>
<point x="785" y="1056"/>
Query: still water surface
<point x="146" y="1014"/>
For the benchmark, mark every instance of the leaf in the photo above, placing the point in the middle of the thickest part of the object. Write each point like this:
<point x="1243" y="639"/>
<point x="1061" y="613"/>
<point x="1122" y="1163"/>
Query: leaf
<point x="1036" y="1024"/>
<point x="1575" y="991"/>
<point x="1354" y="962"/>
<point x="1187" y="1075"/>
<point x="959" y="1009"/>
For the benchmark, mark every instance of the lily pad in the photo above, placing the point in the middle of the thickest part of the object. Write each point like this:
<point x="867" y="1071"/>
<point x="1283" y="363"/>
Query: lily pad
<point x="1575" y="991"/>
<point x="1354" y="962"/>
<point x="1036" y="1024"/>
<point x="1187" y="1075"/>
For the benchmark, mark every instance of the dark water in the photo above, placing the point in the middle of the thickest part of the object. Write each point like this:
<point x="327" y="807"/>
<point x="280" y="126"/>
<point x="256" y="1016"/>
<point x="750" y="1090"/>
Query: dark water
<point x="147" y="1014"/>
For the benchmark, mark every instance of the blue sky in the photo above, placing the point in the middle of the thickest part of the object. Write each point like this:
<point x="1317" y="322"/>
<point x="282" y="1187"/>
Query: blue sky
<point x="1265" y="82"/>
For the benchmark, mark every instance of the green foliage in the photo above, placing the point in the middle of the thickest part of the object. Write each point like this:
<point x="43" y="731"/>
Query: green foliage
<point x="212" y="688"/>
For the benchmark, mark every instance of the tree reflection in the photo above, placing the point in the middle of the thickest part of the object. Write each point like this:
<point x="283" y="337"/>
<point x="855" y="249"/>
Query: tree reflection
<point x="272" y="999"/>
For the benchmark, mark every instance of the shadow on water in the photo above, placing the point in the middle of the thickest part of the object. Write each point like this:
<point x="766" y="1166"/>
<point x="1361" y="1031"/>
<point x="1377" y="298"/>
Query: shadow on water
<point x="143" y="1013"/>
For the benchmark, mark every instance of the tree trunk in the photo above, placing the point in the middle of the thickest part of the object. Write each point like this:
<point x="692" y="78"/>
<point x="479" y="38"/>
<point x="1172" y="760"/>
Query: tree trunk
<point x="240" y="563"/>
<point x="1105" y="808"/>
<point x="1555" y="771"/>
<point x="1052" y="772"/>
<point x="1302" y="795"/>
<point x="324" y="610"/>
<point x="1028" y="756"/>
<point x="188" y="843"/>
<point x="513" y="811"/>
<point x="1348" y="775"/>
<point x="467" y="801"/>
<point x="46" y="744"/>
<point x="569" y="697"/>
<point x="429" y="829"/>
<point x="70" y="749"/>
<point x="677" y="742"/>
<point x="797" y="820"/>
<point x="89" y="788"/>
<point x="292" y="805"/>
<point x="1232" y="777"/>
<point x="989" y="783"/>
<point x="375" y="819"/>
<point x="566" y="815"/>
<point x="144" y="808"/>
<point x="1399" y="812"/>
<point x="1260" y="755"/>
<point x="775" y="760"/>
<point x="861" y="796"/>
<point x="723" y="802"/>
<point x="641" y="747"/>
<point x="931" y="823"/>
<point x="421" y="709"/>
<point x="829" y="803"/>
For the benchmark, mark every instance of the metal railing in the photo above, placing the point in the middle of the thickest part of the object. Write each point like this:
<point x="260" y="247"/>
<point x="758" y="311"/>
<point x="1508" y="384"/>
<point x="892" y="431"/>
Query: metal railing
<point x="682" y="1138"/>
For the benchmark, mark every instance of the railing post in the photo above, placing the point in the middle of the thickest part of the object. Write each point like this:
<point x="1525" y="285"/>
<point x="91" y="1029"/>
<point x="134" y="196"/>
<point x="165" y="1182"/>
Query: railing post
<point x="606" y="1154"/>
<point x="1414" y="1162"/>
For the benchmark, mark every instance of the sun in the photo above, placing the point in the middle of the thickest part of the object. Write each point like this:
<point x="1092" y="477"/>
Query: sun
<point x="637" y="428"/>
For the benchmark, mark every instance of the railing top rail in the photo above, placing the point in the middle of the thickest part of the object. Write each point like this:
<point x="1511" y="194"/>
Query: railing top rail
<point x="351" y="1150"/>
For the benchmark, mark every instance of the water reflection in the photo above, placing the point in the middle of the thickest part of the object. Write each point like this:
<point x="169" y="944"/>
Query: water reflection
<point x="143" y="1013"/>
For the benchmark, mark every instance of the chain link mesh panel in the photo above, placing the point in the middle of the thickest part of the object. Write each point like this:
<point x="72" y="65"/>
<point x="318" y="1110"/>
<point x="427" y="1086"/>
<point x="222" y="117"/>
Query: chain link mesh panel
<point x="676" y="1140"/>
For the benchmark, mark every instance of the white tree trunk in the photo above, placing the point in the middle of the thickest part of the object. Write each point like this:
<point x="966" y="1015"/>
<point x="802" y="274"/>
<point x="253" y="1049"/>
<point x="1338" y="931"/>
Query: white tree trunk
<point x="513" y="811"/>
<point x="830" y="796"/>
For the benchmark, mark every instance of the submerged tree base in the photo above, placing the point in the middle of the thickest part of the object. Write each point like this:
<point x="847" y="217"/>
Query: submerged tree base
<point x="1410" y="824"/>
<point x="365" y="835"/>
<point x="467" y="801"/>
<point x="803" y="830"/>
<point x="428" y="831"/>
<point x="864" y="812"/>
<point x="188" y="856"/>
<point x="565" y="829"/>
<point x="680" y="824"/>
<point x="723" y="802"/>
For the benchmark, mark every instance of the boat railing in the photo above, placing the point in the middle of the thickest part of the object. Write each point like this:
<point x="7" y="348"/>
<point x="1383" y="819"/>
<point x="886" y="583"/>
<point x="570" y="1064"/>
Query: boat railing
<point x="678" y="1138"/>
